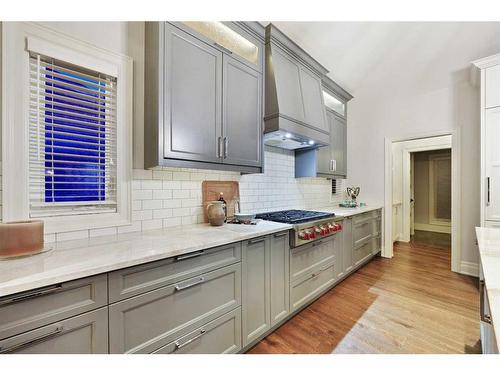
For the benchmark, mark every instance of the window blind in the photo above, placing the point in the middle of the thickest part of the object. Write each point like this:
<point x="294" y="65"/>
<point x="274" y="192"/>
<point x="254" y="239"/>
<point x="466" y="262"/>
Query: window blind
<point x="72" y="139"/>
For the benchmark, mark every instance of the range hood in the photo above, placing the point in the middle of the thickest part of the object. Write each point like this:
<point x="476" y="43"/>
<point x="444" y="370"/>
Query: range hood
<point x="295" y="115"/>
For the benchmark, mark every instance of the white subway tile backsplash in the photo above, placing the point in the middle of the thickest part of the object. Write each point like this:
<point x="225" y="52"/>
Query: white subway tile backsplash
<point x="102" y="232"/>
<point x="152" y="204"/>
<point x="167" y="197"/>
<point x="75" y="235"/>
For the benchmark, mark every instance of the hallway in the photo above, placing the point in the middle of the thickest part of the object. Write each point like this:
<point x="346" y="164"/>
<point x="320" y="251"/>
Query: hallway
<point x="408" y="304"/>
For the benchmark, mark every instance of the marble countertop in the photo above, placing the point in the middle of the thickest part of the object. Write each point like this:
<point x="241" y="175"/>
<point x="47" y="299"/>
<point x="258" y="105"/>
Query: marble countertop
<point x="488" y="240"/>
<point x="346" y="212"/>
<point x="70" y="260"/>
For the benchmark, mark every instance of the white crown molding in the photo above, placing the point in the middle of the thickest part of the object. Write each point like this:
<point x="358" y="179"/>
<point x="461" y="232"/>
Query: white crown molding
<point x="487" y="62"/>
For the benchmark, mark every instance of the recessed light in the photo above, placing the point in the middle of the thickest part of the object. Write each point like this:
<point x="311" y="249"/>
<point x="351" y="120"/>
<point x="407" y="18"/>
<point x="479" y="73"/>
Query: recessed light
<point x="311" y="142"/>
<point x="288" y="135"/>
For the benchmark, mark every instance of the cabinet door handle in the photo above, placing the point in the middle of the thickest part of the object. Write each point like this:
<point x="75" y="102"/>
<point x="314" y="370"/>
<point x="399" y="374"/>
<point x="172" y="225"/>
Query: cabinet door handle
<point x="189" y="284"/>
<point x="190" y="255"/>
<point x="226" y="147"/>
<point x="57" y="331"/>
<point x="334" y="165"/>
<point x="224" y="49"/>
<point x="179" y="345"/>
<point x="278" y="235"/>
<point x="488" y="191"/>
<point x="256" y="240"/>
<point x="32" y="294"/>
<point x="219" y="147"/>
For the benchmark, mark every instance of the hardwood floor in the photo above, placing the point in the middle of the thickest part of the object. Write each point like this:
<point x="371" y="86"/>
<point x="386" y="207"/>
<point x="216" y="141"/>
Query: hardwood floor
<point x="437" y="240"/>
<point x="412" y="303"/>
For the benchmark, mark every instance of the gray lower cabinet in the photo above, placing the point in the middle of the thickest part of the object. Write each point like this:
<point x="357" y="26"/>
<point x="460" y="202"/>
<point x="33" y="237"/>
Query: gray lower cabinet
<point x="145" y="323"/>
<point x="266" y="278"/>
<point x="312" y="285"/>
<point x="256" y="284"/>
<point x="137" y="280"/>
<point x="83" y="334"/>
<point x="242" y="114"/>
<point x="347" y="260"/>
<point x="280" y="277"/>
<point x="220" y="336"/>
<point x="33" y="309"/>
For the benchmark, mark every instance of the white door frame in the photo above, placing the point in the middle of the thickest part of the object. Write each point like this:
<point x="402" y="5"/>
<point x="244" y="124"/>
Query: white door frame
<point x="387" y="250"/>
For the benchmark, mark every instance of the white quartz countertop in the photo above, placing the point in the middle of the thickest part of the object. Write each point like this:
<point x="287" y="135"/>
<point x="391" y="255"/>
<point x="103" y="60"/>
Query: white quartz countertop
<point x="70" y="260"/>
<point x="346" y="212"/>
<point x="488" y="240"/>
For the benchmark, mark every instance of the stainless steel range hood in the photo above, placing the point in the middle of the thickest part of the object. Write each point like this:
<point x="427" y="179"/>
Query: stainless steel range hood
<point x="295" y="115"/>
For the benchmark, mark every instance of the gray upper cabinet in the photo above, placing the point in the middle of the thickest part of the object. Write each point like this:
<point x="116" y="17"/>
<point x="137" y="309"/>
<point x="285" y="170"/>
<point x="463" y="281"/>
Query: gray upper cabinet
<point x="193" y="72"/>
<point x="203" y="95"/>
<point x="242" y="111"/>
<point x="328" y="161"/>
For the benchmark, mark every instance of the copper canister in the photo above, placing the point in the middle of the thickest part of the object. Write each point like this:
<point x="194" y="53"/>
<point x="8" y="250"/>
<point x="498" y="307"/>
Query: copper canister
<point x="20" y="238"/>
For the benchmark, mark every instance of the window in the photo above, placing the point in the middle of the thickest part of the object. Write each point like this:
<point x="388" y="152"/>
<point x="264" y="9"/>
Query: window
<point x="72" y="139"/>
<point x="67" y="130"/>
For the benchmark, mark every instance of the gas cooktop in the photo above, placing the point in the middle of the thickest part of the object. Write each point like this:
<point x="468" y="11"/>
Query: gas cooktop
<point x="294" y="216"/>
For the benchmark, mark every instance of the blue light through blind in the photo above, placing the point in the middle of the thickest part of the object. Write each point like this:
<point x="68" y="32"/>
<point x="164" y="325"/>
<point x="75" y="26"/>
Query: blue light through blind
<point x="73" y="129"/>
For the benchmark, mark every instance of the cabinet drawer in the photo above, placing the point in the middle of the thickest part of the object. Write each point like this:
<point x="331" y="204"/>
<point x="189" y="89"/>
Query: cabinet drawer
<point x="29" y="310"/>
<point x="133" y="281"/>
<point x="305" y="258"/>
<point x="82" y="334"/>
<point x="365" y="229"/>
<point x="316" y="282"/>
<point x="144" y="323"/>
<point x="220" y="336"/>
<point x="359" y="218"/>
<point x="365" y="250"/>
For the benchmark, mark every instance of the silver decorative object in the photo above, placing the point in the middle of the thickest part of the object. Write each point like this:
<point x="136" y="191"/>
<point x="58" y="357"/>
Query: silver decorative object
<point x="353" y="193"/>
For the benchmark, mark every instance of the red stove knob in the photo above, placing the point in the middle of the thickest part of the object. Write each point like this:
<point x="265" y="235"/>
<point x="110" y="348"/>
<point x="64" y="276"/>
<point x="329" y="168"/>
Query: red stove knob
<point x="312" y="235"/>
<point x="317" y="230"/>
<point x="303" y="235"/>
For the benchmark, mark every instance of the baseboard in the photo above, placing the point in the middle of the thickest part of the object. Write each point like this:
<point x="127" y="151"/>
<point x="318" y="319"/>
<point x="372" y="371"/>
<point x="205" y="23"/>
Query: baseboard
<point x="469" y="268"/>
<point x="433" y="228"/>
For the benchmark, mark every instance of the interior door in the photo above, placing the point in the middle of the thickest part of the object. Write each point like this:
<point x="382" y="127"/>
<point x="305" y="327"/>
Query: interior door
<point x="242" y="114"/>
<point x="492" y="161"/>
<point x="192" y="100"/>
<point x="412" y="194"/>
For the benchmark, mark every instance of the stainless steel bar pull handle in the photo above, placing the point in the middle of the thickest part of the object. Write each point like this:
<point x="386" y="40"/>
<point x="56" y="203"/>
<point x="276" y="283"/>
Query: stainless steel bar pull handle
<point x="190" y="255"/>
<point x="219" y="147"/>
<point x="179" y="345"/>
<point x="488" y="191"/>
<point x="334" y="165"/>
<point x="189" y="284"/>
<point x="32" y="294"/>
<point x="224" y="49"/>
<point x="226" y="147"/>
<point x="57" y="331"/>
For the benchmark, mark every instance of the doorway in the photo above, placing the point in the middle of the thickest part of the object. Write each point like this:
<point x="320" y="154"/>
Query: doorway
<point x="430" y="199"/>
<point x="401" y="221"/>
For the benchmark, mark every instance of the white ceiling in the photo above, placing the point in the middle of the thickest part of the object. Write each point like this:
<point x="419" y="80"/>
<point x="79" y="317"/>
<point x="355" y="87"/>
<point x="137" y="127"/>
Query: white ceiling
<point x="391" y="55"/>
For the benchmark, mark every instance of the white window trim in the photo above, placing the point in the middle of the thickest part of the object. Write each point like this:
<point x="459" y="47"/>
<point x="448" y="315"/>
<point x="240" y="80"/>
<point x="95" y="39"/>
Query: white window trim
<point x="15" y="102"/>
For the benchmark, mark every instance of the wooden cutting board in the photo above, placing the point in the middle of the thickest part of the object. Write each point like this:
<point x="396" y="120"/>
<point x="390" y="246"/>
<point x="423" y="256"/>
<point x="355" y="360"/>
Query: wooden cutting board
<point x="212" y="189"/>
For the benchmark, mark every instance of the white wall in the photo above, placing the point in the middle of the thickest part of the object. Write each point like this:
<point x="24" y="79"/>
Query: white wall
<point x="413" y="111"/>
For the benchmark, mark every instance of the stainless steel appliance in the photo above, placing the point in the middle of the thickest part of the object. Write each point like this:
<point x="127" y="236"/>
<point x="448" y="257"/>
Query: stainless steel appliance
<point x="308" y="226"/>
